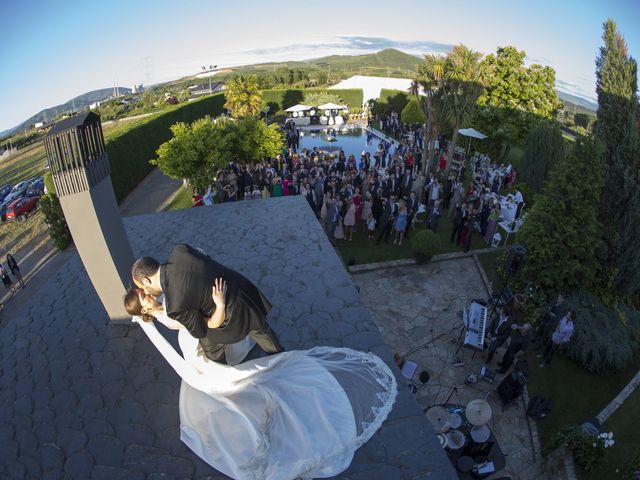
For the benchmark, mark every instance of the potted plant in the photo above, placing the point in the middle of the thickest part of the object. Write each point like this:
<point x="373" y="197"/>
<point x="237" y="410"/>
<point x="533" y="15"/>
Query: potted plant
<point x="425" y="244"/>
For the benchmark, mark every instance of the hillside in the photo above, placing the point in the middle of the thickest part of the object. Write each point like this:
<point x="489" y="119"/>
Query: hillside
<point x="572" y="100"/>
<point x="75" y="104"/>
<point x="389" y="57"/>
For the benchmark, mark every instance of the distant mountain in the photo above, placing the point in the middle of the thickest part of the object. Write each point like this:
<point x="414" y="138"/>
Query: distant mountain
<point x="389" y="57"/>
<point x="75" y="104"/>
<point x="583" y="102"/>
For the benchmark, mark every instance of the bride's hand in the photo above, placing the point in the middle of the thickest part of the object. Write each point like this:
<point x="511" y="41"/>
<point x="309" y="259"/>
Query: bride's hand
<point x="219" y="291"/>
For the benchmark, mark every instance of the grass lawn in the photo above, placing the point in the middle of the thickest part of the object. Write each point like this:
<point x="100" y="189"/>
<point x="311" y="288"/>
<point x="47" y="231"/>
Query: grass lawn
<point x="624" y="425"/>
<point x="580" y="395"/>
<point x="29" y="162"/>
<point x="364" y="251"/>
<point x="16" y="234"/>
<point x="180" y="201"/>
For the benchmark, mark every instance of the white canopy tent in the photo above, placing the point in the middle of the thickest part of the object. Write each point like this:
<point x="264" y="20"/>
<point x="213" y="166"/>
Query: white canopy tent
<point x="332" y="113"/>
<point x="298" y="108"/>
<point x="471" y="133"/>
<point x="332" y="106"/>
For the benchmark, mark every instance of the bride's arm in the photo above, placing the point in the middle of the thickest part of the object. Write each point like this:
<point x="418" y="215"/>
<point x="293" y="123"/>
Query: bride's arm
<point x="219" y="291"/>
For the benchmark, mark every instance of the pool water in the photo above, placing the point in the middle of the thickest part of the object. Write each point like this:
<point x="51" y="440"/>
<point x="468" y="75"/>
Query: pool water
<point x="353" y="140"/>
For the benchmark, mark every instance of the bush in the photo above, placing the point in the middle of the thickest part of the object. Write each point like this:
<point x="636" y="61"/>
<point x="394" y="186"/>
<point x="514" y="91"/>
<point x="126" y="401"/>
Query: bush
<point x="604" y="339"/>
<point x="425" y="243"/>
<point x="54" y="218"/>
<point x="587" y="450"/>
<point x="412" y="113"/>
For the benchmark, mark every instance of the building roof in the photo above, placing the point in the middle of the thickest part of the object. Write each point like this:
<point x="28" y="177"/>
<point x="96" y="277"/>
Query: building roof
<point x="80" y="398"/>
<point x="72" y="122"/>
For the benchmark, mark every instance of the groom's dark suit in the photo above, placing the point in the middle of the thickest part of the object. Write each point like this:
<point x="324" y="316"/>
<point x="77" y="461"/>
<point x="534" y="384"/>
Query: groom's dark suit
<point x="187" y="281"/>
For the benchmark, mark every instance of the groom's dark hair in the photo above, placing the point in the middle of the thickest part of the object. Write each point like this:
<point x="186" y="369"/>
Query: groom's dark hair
<point x="144" y="267"/>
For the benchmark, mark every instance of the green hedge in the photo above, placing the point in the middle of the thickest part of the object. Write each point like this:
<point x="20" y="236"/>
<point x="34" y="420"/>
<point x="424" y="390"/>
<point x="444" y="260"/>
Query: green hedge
<point x="130" y="150"/>
<point x="394" y="100"/>
<point x="279" y="100"/>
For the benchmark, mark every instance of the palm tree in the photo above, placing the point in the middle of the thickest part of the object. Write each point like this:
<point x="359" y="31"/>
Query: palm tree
<point x="429" y="79"/>
<point x="463" y="83"/>
<point x="244" y="98"/>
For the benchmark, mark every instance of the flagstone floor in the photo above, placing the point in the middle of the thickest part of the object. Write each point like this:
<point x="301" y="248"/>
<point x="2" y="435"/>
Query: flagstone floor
<point x="417" y="310"/>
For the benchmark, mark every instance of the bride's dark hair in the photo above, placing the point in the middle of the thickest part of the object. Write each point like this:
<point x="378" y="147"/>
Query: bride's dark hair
<point x="133" y="306"/>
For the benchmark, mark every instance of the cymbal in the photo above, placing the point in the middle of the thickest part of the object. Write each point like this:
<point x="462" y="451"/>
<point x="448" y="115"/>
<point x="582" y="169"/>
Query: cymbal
<point x="439" y="418"/>
<point x="478" y="412"/>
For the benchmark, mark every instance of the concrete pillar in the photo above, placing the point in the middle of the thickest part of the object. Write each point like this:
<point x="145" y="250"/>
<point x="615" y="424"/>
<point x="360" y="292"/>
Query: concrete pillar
<point x="81" y="173"/>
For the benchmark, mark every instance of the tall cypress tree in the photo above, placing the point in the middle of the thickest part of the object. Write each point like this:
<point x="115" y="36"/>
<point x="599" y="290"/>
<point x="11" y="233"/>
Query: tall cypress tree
<point x="617" y="129"/>
<point x="545" y="148"/>
<point x="561" y="232"/>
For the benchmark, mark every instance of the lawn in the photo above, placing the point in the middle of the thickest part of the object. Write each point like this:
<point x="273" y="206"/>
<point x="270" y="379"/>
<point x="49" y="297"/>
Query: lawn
<point x="180" y="201"/>
<point x="361" y="250"/>
<point x="27" y="163"/>
<point x="580" y="395"/>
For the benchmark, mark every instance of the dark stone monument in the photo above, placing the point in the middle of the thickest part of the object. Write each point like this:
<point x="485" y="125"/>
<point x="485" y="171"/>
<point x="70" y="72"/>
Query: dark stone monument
<point x="80" y="168"/>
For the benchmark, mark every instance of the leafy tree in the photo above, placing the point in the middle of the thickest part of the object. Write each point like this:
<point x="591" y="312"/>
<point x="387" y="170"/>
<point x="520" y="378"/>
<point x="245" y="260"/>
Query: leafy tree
<point x="617" y="129"/>
<point x="515" y="99"/>
<point x="429" y="78"/>
<point x="244" y="98"/>
<point x="544" y="149"/>
<point x="561" y="232"/>
<point x="583" y="120"/>
<point x="198" y="150"/>
<point x="191" y="152"/>
<point x="412" y="113"/>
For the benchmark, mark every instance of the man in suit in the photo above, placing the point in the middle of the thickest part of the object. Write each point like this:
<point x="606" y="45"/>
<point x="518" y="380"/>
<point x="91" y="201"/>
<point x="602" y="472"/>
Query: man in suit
<point x="187" y="280"/>
<point x="386" y="221"/>
<point x="434" y="217"/>
<point x="499" y="332"/>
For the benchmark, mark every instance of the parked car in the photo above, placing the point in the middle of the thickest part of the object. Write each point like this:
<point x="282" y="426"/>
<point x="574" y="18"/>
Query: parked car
<point x="19" y="190"/>
<point x="36" y="187"/>
<point x="19" y="209"/>
<point x="4" y="191"/>
<point x="3" y="211"/>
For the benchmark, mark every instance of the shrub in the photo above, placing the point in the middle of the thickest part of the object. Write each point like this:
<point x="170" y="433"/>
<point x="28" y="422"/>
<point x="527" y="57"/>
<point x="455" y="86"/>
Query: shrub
<point x="412" y="113"/>
<point x="604" y="339"/>
<point x="425" y="243"/>
<point x="54" y="218"/>
<point x="587" y="450"/>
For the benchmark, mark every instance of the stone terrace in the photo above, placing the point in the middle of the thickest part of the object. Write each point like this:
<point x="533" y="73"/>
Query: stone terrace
<point x="82" y="399"/>
<point x="416" y="308"/>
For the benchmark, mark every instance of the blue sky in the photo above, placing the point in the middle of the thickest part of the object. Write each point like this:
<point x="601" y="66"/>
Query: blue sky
<point x="53" y="51"/>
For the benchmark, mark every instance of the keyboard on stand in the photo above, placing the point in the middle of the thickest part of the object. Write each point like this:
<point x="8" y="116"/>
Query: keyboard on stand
<point x="475" y="321"/>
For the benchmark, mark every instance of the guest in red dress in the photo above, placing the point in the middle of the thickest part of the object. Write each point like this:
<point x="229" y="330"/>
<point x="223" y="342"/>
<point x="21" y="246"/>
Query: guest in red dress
<point x="196" y="198"/>
<point x="443" y="162"/>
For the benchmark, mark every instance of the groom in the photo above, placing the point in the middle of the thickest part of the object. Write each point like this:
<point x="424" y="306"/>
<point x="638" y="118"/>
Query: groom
<point x="187" y="280"/>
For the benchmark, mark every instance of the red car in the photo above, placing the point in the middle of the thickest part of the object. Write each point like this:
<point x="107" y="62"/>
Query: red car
<point x="21" y="207"/>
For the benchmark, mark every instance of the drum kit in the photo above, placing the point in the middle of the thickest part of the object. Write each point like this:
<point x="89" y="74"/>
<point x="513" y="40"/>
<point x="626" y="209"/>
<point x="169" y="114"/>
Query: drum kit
<point x="447" y="424"/>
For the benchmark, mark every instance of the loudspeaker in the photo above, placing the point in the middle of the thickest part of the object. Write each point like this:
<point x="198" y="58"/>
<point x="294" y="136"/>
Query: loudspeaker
<point x="514" y="259"/>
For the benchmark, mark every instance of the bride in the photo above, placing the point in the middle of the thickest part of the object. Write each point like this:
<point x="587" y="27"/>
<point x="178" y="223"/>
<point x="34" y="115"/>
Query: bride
<point x="295" y="414"/>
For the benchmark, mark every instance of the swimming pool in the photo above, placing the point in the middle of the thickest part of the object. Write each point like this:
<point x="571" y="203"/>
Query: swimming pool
<point x="353" y="140"/>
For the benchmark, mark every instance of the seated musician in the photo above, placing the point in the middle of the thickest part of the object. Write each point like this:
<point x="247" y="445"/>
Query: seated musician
<point x="498" y="332"/>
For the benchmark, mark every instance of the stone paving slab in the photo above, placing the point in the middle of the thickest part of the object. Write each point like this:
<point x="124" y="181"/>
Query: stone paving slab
<point x="416" y="309"/>
<point x="83" y="399"/>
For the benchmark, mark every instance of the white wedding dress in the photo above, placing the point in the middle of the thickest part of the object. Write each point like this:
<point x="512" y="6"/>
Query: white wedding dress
<point x="296" y="414"/>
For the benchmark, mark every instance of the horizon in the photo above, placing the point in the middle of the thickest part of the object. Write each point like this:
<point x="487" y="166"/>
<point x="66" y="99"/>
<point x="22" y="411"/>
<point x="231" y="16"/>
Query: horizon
<point x="133" y="51"/>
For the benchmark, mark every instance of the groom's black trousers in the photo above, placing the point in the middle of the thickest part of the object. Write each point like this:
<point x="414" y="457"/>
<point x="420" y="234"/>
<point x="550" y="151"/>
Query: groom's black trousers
<point x="264" y="337"/>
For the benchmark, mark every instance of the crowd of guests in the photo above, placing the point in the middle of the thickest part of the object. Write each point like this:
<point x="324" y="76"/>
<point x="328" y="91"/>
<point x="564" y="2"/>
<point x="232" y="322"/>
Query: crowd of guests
<point x="380" y="193"/>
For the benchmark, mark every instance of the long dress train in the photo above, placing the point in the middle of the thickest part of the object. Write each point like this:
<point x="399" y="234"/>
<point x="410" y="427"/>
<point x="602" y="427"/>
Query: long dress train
<point x="297" y="414"/>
